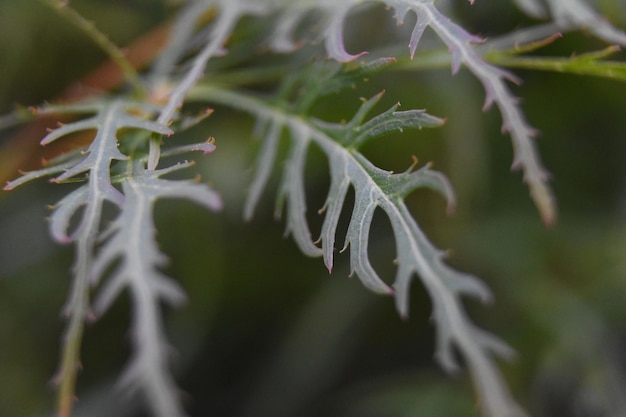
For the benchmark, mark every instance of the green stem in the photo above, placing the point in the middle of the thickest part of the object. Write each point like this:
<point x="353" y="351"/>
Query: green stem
<point x="69" y="366"/>
<point x="77" y="310"/>
<point x="587" y="64"/>
<point x="70" y="362"/>
<point x="88" y="27"/>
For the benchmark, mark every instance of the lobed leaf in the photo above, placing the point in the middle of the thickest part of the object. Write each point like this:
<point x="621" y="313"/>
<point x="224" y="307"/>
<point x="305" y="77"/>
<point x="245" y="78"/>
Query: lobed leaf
<point x="131" y="239"/>
<point x="355" y="133"/>
<point x="40" y="173"/>
<point x="574" y="13"/>
<point x="379" y="189"/>
<point x="97" y="159"/>
<point x="459" y="42"/>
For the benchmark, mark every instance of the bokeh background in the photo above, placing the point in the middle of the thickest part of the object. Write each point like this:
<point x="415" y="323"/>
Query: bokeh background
<point x="267" y="331"/>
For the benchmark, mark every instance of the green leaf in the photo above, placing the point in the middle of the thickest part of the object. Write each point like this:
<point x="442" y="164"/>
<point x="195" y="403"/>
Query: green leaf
<point x="356" y="133"/>
<point x="377" y="189"/>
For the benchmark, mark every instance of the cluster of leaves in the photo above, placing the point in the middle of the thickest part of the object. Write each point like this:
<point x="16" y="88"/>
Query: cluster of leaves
<point x="121" y="167"/>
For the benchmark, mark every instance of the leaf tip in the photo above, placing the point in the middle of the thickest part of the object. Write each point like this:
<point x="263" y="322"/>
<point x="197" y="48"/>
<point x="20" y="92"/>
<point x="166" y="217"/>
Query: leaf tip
<point x="547" y="211"/>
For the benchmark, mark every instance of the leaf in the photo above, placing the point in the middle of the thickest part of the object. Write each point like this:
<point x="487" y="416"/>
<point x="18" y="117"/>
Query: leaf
<point x="129" y="246"/>
<point x="109" y="119"/>
<point x="131" y="239"/>
<point x="40" y="173"/>
<point x="355" y="133"/>
<point x="229" y="13"/>
<point x="459" y="42"/>
<point x="333" y="33"/>
<point x="321" y="79"/>
<point x="377" y="189"/>
<point x="97" y="159"/>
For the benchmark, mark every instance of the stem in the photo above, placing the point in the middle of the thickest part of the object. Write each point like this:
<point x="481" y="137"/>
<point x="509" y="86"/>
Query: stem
<point x="69" y="367"/>
<point x="226" y="20"/>
<point x="88" y="27"/>
<point x="70" y="362"/>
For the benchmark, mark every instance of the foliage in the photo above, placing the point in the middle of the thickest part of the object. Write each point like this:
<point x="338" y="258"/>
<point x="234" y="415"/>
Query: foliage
<point x="210" y="58"/>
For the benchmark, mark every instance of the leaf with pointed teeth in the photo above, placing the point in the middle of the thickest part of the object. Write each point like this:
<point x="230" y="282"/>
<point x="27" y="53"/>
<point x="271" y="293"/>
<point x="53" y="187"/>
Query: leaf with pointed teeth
<point x="355" y="133"/>
<point x="377" y="189"/>
<point x="131" y="239"/>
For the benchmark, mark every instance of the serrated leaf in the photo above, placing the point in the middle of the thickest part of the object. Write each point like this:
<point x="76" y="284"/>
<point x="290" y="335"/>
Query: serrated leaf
<point x="354" y="74"/>
<point x="461" y="46"/>
<point x="402" y="184"/>
<point x="97" y="159"/>
<point x="131" y="239"/>
<point x="391" y="120"/>
<point x="355" y="133"/>
<point x="40" y="173"/>
<point x="574" y="13"/>
<point x="322" y="79"/>
<point x="376" y="189"/>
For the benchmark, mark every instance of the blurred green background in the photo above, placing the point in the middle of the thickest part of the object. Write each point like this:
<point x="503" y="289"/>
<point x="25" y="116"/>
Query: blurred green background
<point x="267" y="332"/>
